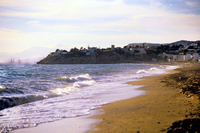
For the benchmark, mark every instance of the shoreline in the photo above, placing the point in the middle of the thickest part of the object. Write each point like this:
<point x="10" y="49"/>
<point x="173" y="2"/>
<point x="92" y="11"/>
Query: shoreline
<point x="86" y="123"/>
<point x="79" y="124"/>
<point x="153" y="112"/>
<point x="83" y="123"/>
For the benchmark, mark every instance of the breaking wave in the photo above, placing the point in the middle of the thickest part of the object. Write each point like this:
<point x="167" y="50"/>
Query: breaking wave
<point x="78" y="82"/>
<point x="6" y="102"/>
<point x="153" y="68"/>
<point x="34" y="94"/>
<point x="141" y="71"/>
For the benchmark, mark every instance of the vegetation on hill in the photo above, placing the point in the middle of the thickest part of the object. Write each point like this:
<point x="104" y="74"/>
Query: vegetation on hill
<point x="132" y="53"/>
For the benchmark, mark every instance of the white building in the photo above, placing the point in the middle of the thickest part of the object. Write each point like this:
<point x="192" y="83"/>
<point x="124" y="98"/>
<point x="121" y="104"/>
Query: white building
<point x="64" y="52"/>
<point x="178" y="58"/>
<point x="138" y="51"/>
<point x="195" y="56"/>
<point x="181" y="57"/>
<point x="58" y="52"/>
<point x="112" y="47"/>
<point x="188" y="57"/>
<point x="92" y="49"/>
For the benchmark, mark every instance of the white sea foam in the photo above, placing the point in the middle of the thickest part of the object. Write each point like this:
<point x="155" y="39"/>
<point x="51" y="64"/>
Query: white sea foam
<point x="171" y="67"/>
<point x="80" y="81"/>
<point x="141" y="71"/>
<point x="80" y="94"/>
<point x="153" y="68"/>
<point x="80" y="77"/>
<point x="1" y="87"/>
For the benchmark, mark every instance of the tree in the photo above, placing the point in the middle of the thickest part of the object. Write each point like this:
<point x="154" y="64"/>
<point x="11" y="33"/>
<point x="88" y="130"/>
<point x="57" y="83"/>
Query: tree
<point x="191" y="47"/>
<point x="57" y="50"/>
<point x="198" y="45"/>
<point x="125" y="47"/>
<point x="74" y="50"/>
<point x="136" y="51"/>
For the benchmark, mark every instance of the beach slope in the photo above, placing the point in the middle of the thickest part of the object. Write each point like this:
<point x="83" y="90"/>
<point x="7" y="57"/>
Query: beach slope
<point x="166" y="102"/>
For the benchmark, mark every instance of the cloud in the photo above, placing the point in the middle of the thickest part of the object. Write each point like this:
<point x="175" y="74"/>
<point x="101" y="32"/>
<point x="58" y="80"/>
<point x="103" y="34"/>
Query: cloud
<point x="193" y="3"/>
<point x="72" y="9"/>
<point x="33" y="22"/>
<point x="96" y="22"/>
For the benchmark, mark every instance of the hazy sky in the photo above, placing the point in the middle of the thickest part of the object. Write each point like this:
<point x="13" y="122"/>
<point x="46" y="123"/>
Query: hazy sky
<point x="76" y="23"/>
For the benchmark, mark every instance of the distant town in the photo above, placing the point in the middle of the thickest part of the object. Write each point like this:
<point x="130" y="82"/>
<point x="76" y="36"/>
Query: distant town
<point x="181" y="51"/>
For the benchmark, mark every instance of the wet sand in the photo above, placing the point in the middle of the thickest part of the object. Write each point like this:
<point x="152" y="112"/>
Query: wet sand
<point x="153" y="112"/>
<point x="81" y="124"/>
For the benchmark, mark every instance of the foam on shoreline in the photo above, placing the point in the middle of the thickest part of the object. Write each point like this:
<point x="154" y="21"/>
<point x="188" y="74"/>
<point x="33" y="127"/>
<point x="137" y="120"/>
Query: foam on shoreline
<point x="81" y="124"/>
<point x="84" y="123"/>
<point x="153" y="112"/>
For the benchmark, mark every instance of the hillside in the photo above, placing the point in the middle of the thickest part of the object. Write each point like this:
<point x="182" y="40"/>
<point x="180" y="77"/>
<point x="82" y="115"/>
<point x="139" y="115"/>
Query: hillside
<point x="183" y="42"/>
<point x="94" y="58"/>
<point x="131" y="53"/>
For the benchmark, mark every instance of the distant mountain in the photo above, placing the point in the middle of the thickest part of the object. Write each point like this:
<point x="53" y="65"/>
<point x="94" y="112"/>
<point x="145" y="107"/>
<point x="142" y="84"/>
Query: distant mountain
<point x="183" y="42"/>
<point x="31" y="55"/>
<point x="5" y="57"/>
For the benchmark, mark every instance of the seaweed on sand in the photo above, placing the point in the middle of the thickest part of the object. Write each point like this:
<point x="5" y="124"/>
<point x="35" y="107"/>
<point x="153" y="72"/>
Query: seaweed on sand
<point x="188" y="81"/>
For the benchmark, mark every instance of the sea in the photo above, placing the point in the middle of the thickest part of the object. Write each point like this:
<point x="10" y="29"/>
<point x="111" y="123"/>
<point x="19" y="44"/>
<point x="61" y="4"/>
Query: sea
<point x="34" y="94"/>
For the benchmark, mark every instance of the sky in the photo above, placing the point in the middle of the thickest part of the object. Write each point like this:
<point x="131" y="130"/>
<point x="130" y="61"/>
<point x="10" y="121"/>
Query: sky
<point x="66" y="24"/>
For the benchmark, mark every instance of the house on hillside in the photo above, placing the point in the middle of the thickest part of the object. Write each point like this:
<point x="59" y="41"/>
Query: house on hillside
<point x="138" y="51"/>
<point x="58" y="52"/>
<point x="175" y="57"/>
<point x="188" y="57"/>
<point x="191" y="51"/>
<point x="126" y="49"/>
<point x="182" y="57"/>
<point x="174" y="49"/>
<point x="112" y="47"/>
<point x="83" y="50"/>
<point x="195" y="57"/>
<point x="92" y="49"/>
<point x="64" y="52"/>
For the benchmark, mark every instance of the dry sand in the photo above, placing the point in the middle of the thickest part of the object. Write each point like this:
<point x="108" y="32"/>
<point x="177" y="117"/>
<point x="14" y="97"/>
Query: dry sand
<point x="152" y="112"/>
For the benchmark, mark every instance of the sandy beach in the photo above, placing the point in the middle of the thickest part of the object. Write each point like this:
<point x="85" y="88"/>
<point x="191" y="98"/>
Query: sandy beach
<point x="155" y="111"/>
<point x="163" y="104"/>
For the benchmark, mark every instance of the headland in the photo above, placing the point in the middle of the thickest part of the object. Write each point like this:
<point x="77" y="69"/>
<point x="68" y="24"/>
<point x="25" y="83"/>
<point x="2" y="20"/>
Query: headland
<point x="180" y="51"/>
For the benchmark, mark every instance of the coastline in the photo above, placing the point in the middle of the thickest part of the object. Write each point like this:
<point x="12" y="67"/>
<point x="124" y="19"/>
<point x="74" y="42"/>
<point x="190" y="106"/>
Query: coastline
<point x="129" y="108"/>
<point x="155" y="111"/>
<point x="82" y="124"/>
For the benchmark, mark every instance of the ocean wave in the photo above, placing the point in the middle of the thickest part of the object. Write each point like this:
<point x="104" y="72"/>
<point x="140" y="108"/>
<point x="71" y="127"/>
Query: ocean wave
<point x="81" y="77"/>
<point x="4" y="90"/>
<point x="141" y="71"/>
<point x="73" y="87"/>
<point x="78" y="82"/>
<point x="153" y="68"/>
<point x="76" y="78"/>
<point x="6" y="102"/>
<point x="60" y="91"/>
